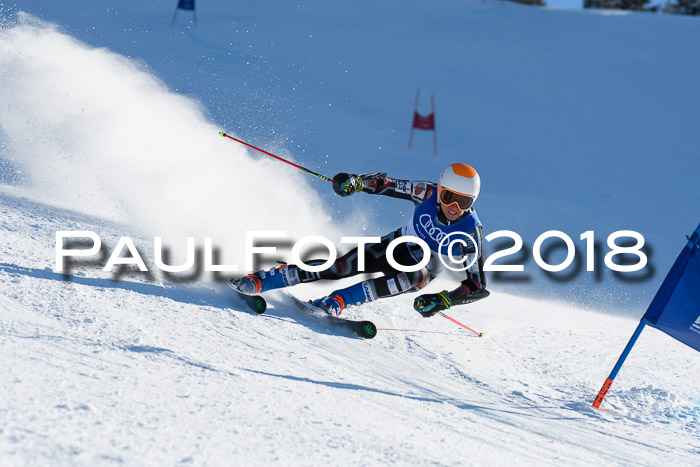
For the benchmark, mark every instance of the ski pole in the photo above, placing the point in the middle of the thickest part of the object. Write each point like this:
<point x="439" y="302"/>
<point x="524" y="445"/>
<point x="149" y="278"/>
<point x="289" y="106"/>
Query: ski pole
<point x="322" y="177"/>
<point x="480" y="334"/>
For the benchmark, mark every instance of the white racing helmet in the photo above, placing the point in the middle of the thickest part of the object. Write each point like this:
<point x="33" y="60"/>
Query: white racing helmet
<point x="459" y="183"/>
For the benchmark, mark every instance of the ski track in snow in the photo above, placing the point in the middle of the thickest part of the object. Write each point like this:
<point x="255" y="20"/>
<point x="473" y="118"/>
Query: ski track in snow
<point x="132" y="371"/>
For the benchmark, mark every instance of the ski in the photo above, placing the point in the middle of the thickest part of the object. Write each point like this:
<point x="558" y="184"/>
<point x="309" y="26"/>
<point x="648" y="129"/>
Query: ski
<point x="363" y="329"/>
<point x="256" y="302"/>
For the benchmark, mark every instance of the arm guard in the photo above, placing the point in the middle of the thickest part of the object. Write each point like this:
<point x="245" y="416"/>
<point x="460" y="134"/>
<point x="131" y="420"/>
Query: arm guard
<point x="380" y="184"/>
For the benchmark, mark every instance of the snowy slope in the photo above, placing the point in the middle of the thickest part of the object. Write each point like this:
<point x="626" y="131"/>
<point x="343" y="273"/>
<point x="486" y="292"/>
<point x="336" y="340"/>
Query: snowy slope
<point x="576" y="120"/>
<point x="109" y="120"/>
<point x="132" y="372"/>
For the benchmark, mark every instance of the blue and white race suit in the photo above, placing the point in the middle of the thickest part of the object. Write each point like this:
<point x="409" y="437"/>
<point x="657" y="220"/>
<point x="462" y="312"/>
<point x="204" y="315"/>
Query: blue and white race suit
<point x="430" y="225"/>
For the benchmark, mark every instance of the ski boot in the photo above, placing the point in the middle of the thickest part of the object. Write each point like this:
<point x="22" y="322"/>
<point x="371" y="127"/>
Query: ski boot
<point x="335" y="303"/>
<point x="262" y="281"/>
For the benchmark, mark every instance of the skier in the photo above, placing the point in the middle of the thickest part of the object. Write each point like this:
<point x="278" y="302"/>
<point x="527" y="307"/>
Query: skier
<point x="439" y="210"/>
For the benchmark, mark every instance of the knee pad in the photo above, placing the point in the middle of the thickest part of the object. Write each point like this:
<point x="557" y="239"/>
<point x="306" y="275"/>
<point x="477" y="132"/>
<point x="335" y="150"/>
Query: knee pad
<point x="420" y="279"/>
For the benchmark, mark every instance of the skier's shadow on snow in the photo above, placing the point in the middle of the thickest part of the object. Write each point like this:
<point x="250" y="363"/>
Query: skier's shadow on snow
<point x="189" y="295"/>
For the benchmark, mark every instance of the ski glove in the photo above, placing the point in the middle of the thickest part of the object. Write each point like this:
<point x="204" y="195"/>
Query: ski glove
<point x="346" y="184"/>
<point x="429" y="304"/>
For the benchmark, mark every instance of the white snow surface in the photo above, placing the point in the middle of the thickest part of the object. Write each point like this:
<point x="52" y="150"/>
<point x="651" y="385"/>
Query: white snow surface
<point x="102" y="371"/>
<point x="108" y="122"/>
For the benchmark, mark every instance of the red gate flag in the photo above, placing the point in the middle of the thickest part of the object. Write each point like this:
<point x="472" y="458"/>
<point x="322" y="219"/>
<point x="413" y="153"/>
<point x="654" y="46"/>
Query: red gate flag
<point x="424" y="122"/>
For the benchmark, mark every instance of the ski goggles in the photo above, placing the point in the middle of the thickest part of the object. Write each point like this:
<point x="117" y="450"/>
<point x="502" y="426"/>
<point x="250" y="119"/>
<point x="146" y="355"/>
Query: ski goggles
<point x="449" y="198"/>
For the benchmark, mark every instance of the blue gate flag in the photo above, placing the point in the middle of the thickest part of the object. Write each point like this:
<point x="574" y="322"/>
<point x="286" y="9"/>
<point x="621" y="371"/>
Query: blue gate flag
<point x="675" y="308"/>
<point x="186" y="5"/>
